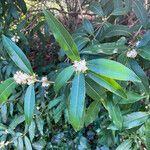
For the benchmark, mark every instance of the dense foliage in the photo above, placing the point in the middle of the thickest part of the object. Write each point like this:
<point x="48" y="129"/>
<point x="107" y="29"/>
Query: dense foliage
<point x="85" y="90"/>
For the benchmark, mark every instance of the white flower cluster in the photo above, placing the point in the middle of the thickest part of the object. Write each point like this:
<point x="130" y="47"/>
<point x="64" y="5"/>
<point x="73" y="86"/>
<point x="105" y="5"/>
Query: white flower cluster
<point x="45" y="82"/>
<point x="23" y="78"/>
<point x="15" y="38"/>
<point x="80" y="66"/>
<point x="132" y="54"/>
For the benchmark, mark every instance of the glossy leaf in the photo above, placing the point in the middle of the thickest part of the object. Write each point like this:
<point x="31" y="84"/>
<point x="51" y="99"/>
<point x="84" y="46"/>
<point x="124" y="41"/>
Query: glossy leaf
<point x="77" y="102"/>
<point x="20" y="145"/>
<point x="29" y="103"/>
<point x="105" y="48"/>
<point x="108" y="83"/>
<point x="96" y="8"/>
<point x="17" y="55"/>
<point x="32" y="131"/>
<point x="145" y="40"/>
<point x="55" y="102"/>
<point x="121" y="8"/>
<point x="63" y="77"/>
<point x="135" y="119"/>
<point x="88" y="26"/>
<point x="145" y="52"/>
<point x="141" y="74"/>
<point x="112" y="69"/>
<point x="132" y="97"/>
<point x="116" y="30"/>
<point x="6" y="89"/>
<point x="62" y="36"/>
<point x="94" y="90"/>
<point x="140" y="12"/>
<point x="27" y="143"/>
<point x="114" y="113"/>
<point x="40" y="124"/>
<point x="126" y="145"/>
<point x="57" y="112"/>
<point x="92" y="112"/>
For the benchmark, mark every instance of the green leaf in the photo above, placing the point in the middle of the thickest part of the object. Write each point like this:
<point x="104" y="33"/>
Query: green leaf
<point x="121" y="8"/>
<point x="27" y="143"/>
<point x="20" y="144"/>
<point x="55" y="102"/>
<point x="145" y="52"/>
<point x="112" y="69"/>
<point x="116" y="30"/>
<point x="135" y="119"/>
<point x="40" y="124"/>
<point x="147" y="134"/>
<point x="57" y="113"/>
<point x="114" y="113"/>
<point x="108" y="83"/>
<point x="62" y="36"/>
<point x="17" y="55"/>
<point x="145" y="40"/>
<point x="105" y="48"/>
<point x="92" y="112"/>
<point x="77" y="102"/>
<point x="32" y="131"/>
<point x="94" y="90"/>
<point x="88" y="26"/>
<point x="140" y="73"/>
<point x="6" y="89"/>
<point x="29" y="103"/>
<point x="63" y="77"/>
<point x="132" y="97"/>
<point x="81" y="42"/>
<point x="16" y="121"/>
<point x="140" y="12"/>
<point x="96" y="8"/>
<point x="126" y="145"/>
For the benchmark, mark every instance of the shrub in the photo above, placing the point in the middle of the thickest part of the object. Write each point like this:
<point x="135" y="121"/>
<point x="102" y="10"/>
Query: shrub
<point x="101" y="76"/>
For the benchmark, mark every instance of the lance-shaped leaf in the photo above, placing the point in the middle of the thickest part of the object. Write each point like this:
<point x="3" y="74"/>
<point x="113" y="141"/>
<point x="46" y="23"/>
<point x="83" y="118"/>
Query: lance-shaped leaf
<point x="88" y="26"/>
<point x="116" y="30"/>
<point x="140" y="12"/>
<point x="108" y="83"/>
<point x="77" y="102"/>
<point x="92" y="112"/>
<point x="17" y="55"/>
<point x="63" y="77"/>
<point x="62" y="36"/>
<point x="6" y="89"/>
<point x="112" y="69"/>
<point x="126" y="145"/>
<point x="145" y="40"/>
<point x="94" y="90"/>
<point x="114" y="112"/>
<point x="141" y="74"/>
<point x="145" y="52"/>
<point x="96" y="8"/>
<point x="106" y="48"/>
<point x="132" y="97"/>
<point x="29" y="103"/>
<point x="135" y="119"/>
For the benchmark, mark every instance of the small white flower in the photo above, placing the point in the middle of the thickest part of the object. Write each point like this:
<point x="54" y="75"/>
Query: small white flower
<point x="15" y="38"/>
<point x="137" y="43"/>
<point x="132" y="54"/>
<point x="80" y="66"/>
<point x="23" y="78"/>
<point x="45" y="82"/>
